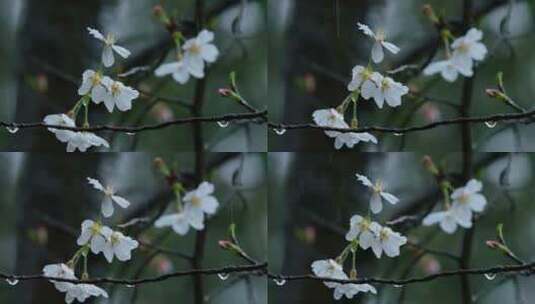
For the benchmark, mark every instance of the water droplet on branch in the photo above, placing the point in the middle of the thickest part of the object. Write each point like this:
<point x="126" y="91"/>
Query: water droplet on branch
<point x="491" y="124"/>
<point x="279" y="282"/>
<point x="398" y="134"/>
<point x="223" y="276"/>
<point x="223" y="123"/>
<point x="130" y="285"/>
<point x="398" y="285"/>
<point x="12" y="282"/>
<point x="12" y="130"/>
<point x="490" y="276"/>
<point x="130" y="133"/>
<point x="280" y="131"/>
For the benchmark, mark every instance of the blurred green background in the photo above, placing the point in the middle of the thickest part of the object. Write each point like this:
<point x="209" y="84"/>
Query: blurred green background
<point x="53" y="33"/>
<point x="313" y="195"/>
<point x="313" y="54"/>
<point x="42" y="193"/>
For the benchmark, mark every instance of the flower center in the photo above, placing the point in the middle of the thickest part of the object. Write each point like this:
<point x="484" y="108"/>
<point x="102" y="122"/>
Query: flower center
<point x="115" y="89"/>
<point x="463" y="47"/>
<point x="195" y="49"/>
<point x="114" y="239"/>
<point x="195" y="200"/>
<point x="95" y="79"/>
<point x="95" y="229"/>
<point x="383" y="235"/>
<point x="380" y="35"/>
<point x="364" y="225"/>
<point x="378" y="187"/>
<point x="109" y="191"/>
<point x="110" y="39"/>
<point x="463" y="199"/>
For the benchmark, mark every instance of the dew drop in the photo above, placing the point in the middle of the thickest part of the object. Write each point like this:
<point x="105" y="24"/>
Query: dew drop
<point x="280" y="131"/>
<point x="130" y="133"/>
<point x="279" y="282"/>
<point x="398" y="285"/>
<point x="490" y="276"/>
<point x="223" y="276"/>
<point x="130" y="285"/>
<point x="223" y="123"/>
<point x="491" y="124"/>
<point x="12" y="130"/>
<point x="398" y="134"/>
<point x="12" y="282"/>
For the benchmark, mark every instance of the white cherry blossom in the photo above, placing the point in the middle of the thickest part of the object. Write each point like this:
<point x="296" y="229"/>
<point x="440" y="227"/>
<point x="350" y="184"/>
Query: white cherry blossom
<point x="117" y="94"/>
<point x="92" y="83"/>
<point x="360" y="78"/>
<point x="468" y="198"/>
<point x="109" y="197"/>
<point x="328" y="269"/>
<point x="61" y="271"/>
<point x="178" y="221"/>
<point x="199" y="202"/>
<point x="380" y="43"/>
<point x="449" y="69"/>
<point x="110" y="47"/>
<point x="387" y="90"/>
<point x="177" y="69"/>
<point x="118" y="245"/>
<point x="95" y="234"/>
<point x="350" y="290"/>
<point x="199" y="50"/>
<point x="350" y="139"/>
<point x="329" y="118"/>
<point x="82" y="292"/>
<point x="60" y="120"/>
<point x="469" y="48"/>
<point x="362" y="229"/>
<point x="387" y="241"/>
<point x="84" y="140"/>
<point x="448" y="220"/>
<point x="376" y="200"/>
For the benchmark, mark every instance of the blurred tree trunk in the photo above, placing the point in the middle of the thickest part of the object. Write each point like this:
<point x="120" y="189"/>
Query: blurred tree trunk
<point x="53" y="32"/>
<point x="315" y="41"/>
<point x="52" y="184"/>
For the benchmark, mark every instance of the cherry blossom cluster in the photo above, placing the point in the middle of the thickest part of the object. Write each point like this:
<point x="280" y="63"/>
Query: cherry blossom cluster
<point x="363" y="233"/>
<point x="459" y="207"/>
<point x="192" y="209"/>
<point x="97" y="88"/>
<point x="191" y="57"/>
<point x="97" y="238"/>
<point x="461" y="56"/>
<point x="368" y="84"/>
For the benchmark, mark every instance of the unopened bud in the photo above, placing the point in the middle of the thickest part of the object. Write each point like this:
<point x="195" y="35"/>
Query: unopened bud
<point x="354" y="123"/>
<point x="225" y="244"/>
<point x="493" y="244"/>
<point x="492" y="93"/>
<point x="160" y="13"/>
<point x="428" y="10"/>
<point x="160" y="164"/>
<point x="225" y="92"/>
<point x="353" y="274"/>
<point x="430" y="165"/>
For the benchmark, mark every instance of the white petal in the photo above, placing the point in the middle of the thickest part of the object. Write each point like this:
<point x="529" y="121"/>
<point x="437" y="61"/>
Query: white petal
<point x="477" y="202"/>
<point x="448" y="224"/>
<point x="121" y="51"/>
<point x="95" y="33"/>
<point x="95" y="183"/>
<point x="377" y="52"/>
<point x="99" y="94"/>
<point x="205" y="36"/>
<point x="167" y="68"/>
<point x="366" y="30"/>
<point x="376" y="203"/>
<point x="364" y="180"/>
<point x="390" y="198"/>
<point x="433" y="218"/>
<point x="120" y="201"/>
<point x="394" y="49"/>
<point x="107" y="56"/>
<point x="107" y="207"/>
<point x="209" y="53"/>
<point x="209" y="204"/>
<point x="369" y="89"/>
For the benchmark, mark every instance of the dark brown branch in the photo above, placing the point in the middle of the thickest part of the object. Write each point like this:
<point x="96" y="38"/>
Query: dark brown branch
<point x="524" y="269"/>
<point x="136" y="129"/>
<point x="445" y="122"/>
<point x="164" y="277"/>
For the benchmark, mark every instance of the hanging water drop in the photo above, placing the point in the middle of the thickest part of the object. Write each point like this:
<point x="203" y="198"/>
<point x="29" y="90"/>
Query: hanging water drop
<point x="491" y="124"/>
<point x="130" y="285"/>
<point x="490" y="276"/>
<point x="12" y="282"/>
<point x="12" y="130"/>
<point x="279" y="282"/>
<point x="280" y="131"/>
<point x="223" y="276"/>
<point x="398" y="134"/>
<point x="398" y="285"/>
<point x="223" y="123"/>
<point x="130" y="133"/>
